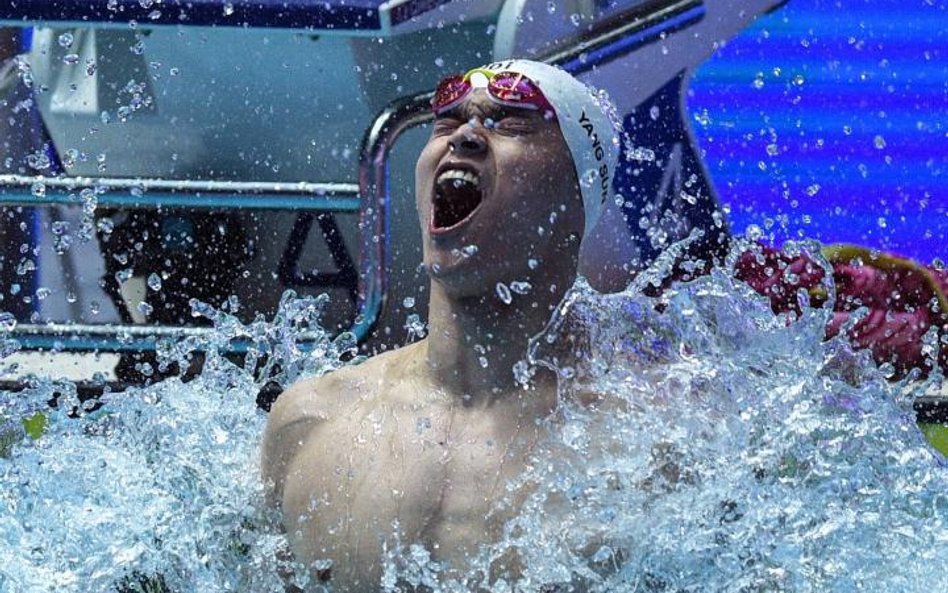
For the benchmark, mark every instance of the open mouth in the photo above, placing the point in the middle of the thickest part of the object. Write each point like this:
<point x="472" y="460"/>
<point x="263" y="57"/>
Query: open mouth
<point x="457" y="195"/>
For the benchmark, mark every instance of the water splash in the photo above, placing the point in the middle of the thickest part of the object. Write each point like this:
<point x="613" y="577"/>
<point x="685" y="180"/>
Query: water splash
<point x="705" y="444"/>
<point x="159" y="485"/>
<point x="702" y="444"/>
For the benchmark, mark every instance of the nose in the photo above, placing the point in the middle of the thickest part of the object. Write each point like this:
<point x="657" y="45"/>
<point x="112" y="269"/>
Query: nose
<point x="467" y="140"/>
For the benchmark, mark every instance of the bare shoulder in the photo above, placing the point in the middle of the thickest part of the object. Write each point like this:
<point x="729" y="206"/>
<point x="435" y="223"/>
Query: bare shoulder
<point x="312" y="401"/>
<point x="294" y="415"/>
<point x="300" y="411"/>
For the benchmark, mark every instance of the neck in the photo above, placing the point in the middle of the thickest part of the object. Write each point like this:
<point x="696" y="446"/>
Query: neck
<point x="475" y="341"/>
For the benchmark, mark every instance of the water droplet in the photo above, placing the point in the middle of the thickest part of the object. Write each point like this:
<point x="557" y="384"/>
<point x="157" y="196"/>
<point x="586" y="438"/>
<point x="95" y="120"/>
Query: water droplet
<point x="772" y="149"/>
<point x="24" y="71"/>
<point x="551" y="7"/>
<point x="812" y="190"/>
<point x="798" y="80"/>
<point x="753" y="232"/>
<point x="575" y="19"/>
<point x="603" y="554"/>
<point x="71" y="59"/>
<point x="532" y="263"/>
<point x="520" y="287"/>
<point x="154" y="282"/>
<point x="468" y="250"/>
<point x="144" y="308"/>
<point x="89" y="201"/>
<point x="42" y="293"/>
<point x="38" y="160"/>
<point x="439" y="62"/>
<point x="523" y="372"/>
<point x="422" y="424"/>
<point x="408" y="302"/>
<point x="654" y="112"/>
<point x="589" y="178"/>
<point x="70" y="157"/>
<point x="878" y="142"/>
<point x="65" y="40"/>
<point x="95" y="308"/>
<point x="122" y="276"/>
<point x="105" y="225"/>
<point x="503" y="293"/>
<point x="881" y="221"/>
<point x="228" y="9"/>
<point x="7" y="321"/>
<point x="415" y="326"/>
<point x="38" y="189"/>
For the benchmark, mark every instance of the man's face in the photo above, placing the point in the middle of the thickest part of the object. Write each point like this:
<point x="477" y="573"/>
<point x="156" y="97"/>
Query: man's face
<point x="497" y="196"/>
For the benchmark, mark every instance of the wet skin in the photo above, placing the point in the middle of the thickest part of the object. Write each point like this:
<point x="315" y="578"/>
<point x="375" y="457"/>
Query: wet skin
<point x="526" y="175"/>
<point x="426" y="437"/>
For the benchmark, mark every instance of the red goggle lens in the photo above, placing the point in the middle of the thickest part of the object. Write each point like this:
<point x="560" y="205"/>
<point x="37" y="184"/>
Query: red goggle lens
<point x="450" y="90"/>
<point x="514" y="88"/>
<point x="509" y="88"/>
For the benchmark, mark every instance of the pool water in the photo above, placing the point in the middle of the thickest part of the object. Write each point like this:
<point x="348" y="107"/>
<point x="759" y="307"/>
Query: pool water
<point x="731" y="450"/>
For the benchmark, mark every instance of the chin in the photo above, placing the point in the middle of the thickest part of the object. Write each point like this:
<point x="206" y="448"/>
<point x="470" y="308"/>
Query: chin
<point x="451" y="269"/>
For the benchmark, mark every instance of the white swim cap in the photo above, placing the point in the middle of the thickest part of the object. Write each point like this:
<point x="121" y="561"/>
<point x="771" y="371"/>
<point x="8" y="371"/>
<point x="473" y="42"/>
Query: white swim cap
<point x="587" y="129"/>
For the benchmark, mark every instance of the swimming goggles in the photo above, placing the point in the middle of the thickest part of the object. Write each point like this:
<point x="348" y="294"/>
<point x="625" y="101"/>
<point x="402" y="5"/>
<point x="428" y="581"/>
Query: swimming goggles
<point x="506" y="87"/>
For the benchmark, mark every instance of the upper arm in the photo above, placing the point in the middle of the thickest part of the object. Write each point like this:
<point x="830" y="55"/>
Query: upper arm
<point x="295" y="415"/>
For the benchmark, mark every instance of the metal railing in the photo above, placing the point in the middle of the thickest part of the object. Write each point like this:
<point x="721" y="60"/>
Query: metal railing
<point x="180" y="193"/>
<point x="144" y="193"/>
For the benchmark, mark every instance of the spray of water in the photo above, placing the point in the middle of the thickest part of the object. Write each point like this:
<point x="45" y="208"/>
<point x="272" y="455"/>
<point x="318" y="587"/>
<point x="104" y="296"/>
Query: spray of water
<point x="705" y="444"/>
<point x="157" y="488"/>
<point x="702" y="444"/>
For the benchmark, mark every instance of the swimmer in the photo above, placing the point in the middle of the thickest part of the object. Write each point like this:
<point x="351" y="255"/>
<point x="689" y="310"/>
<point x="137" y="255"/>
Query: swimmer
<point x="424" y="439"/>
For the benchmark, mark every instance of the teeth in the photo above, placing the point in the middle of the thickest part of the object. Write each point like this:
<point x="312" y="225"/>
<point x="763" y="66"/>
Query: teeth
<point x="459" y="175"/>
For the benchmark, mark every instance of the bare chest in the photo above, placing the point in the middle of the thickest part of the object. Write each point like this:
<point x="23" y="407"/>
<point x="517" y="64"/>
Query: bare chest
<point x="440" y="475"/>
<point x="429" y="476"/>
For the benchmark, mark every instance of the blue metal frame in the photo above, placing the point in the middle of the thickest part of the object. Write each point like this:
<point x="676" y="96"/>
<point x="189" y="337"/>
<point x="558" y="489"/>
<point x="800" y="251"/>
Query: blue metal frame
<point x="675" y="18"/>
